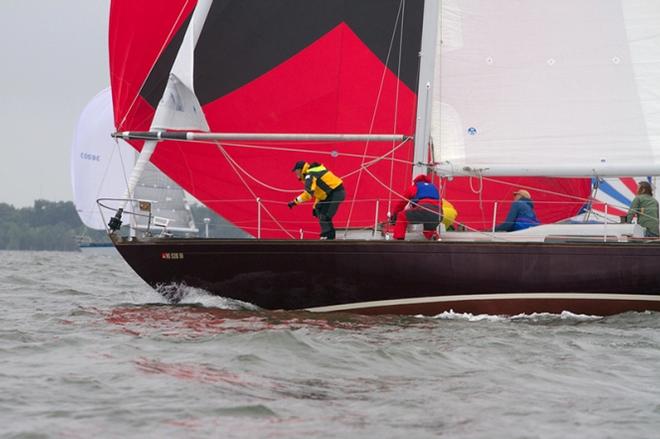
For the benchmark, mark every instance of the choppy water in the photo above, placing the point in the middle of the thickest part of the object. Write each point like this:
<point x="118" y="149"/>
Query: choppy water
<point x="88" y="350"/>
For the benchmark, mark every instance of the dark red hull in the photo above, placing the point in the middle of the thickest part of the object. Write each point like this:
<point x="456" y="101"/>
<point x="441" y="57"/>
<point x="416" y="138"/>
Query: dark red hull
<point x="409" y="277"/>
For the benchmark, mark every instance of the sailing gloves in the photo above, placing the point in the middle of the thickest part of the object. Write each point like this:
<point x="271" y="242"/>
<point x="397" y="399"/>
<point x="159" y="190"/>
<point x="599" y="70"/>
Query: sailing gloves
<point x="291" y="204"/>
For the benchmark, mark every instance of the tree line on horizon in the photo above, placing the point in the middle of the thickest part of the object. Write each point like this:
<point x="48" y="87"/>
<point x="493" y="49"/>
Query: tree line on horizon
<point x="56" y="226"/>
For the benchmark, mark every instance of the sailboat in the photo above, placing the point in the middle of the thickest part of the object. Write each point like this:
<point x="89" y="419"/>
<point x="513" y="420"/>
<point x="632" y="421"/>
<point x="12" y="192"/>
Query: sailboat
<point x="225" y="96"/>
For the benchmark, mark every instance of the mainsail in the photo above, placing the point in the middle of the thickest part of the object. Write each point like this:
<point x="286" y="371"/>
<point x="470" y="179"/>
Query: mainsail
<point x="548" y="88"/>
<point x="537" y="88"/>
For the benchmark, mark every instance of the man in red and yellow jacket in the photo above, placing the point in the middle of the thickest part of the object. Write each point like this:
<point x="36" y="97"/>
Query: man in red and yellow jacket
<point x="325" y="188"/>
<point x="424" y="198"/>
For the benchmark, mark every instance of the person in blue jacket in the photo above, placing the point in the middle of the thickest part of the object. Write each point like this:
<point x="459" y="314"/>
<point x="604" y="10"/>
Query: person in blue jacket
<point x="521" y="215"/>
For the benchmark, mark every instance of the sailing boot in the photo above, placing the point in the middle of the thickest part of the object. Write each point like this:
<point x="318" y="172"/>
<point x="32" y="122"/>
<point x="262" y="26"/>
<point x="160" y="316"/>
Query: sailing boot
<point x="431" y="235"/>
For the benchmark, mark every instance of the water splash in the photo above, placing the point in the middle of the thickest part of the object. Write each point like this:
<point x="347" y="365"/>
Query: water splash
<point x="534" y="317"/>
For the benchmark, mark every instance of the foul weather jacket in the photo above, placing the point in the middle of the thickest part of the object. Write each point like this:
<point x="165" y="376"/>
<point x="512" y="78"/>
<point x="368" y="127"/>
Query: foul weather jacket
<point x="421" y="192"/>
<point x="521" y="216"/>
<point x="646" y="209"/>
<point x="319" y="182"/>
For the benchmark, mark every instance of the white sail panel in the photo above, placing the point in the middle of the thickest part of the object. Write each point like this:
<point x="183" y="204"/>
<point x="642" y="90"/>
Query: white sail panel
<point x="642" y="20"/>
<point x="549" y="83"/>
<point x="99" y="164"/>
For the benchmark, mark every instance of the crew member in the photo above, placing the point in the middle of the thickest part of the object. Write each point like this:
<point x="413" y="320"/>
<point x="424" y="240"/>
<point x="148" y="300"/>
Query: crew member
<point x="521" y="215"/>
<point x="449" y="214"/>
<point x="424" y="198"/>
<point x="645" y="207"/>
<point x="325" y="188"/>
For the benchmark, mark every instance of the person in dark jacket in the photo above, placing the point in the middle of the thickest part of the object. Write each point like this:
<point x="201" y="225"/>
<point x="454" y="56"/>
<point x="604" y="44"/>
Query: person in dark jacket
<point x="325" y="188"/>
<point x="424" y="199"/>
<point x="521" y="215"/>
<point x="645" y="207"/>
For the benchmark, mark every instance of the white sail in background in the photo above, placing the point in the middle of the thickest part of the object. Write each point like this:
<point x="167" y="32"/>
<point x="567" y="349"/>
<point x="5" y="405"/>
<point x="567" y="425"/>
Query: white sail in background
<point x="99" y="169"/>
<point x="99" y="164"/>
<point x="529" y="84"/>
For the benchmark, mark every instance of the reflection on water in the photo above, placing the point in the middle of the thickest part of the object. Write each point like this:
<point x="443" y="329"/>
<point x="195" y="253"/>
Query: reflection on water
<point x="191" y="320"/>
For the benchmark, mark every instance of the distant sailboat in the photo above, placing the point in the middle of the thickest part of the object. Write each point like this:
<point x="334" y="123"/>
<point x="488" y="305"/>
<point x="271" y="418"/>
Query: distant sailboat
<point x="100" y="167"/>
<point x="223" y="98"/>
<point x="99" y="164"/>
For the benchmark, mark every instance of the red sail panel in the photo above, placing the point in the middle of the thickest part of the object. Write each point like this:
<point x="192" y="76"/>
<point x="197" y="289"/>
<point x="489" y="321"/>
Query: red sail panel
<point x="140" y="32"/>
<point x="555" y="199"/>
<point x="332" y="86"/>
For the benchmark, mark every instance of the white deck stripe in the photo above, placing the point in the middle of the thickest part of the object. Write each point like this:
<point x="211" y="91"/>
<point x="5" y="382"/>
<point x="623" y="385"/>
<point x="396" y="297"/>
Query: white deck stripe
<point x="475" y="297"/>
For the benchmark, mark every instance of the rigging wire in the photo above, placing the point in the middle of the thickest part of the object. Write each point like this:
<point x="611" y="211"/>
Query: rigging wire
<point x="155" y="61"/>
<point x="240" y="170"/>
<point x="594" y="193"/>
<point x="249" y="175"/>
<point x="396" y="105"/>
<point x="256" y="198"/>
<point x="287" y="149"/>
<point x="535" y="189"/>
<point x="376" y="160"/>
<point x="376" y="105"/>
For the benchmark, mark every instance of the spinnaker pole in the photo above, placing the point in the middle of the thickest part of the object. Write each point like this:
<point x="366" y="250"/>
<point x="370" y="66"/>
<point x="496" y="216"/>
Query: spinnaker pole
<point x="157" y="136"/>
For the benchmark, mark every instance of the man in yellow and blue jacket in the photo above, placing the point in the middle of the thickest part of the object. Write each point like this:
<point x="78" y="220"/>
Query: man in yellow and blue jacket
<point x="325" y="188"/>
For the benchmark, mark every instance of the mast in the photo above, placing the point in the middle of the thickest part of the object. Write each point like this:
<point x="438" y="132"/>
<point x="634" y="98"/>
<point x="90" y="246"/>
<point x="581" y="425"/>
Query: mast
<point x="425" y="85"/>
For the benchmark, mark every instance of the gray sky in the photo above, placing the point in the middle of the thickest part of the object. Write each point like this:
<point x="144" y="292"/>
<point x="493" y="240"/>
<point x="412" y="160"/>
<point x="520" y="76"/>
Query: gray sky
<point x="53" y="60"/>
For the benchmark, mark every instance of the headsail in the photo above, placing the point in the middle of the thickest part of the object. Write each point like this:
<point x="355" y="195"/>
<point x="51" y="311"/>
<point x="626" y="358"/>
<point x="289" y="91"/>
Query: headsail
<point x="306" y="66"/>
<point x="99" y="164"/>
